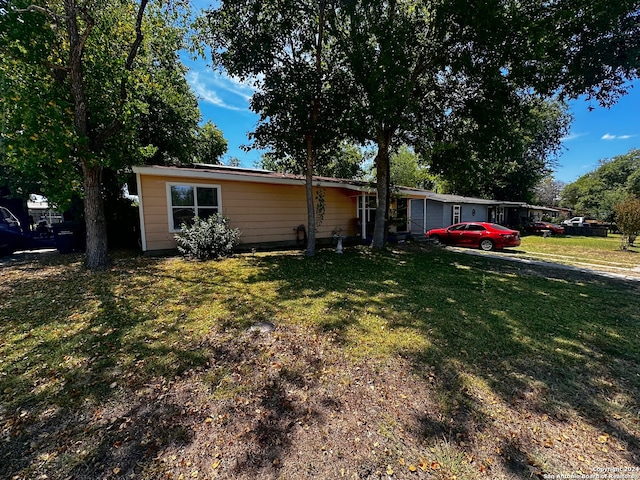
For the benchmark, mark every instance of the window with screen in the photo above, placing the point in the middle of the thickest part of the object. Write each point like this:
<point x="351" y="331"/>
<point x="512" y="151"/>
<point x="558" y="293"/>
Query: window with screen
<point x="189" y="201"/>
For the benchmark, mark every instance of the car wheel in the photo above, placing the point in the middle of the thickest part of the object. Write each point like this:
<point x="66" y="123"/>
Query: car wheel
<point x="435" y="240"/>
<point x="487" y="244"/>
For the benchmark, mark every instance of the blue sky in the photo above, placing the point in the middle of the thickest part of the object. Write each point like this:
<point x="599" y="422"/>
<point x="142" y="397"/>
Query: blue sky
<point x="597" y="134"/>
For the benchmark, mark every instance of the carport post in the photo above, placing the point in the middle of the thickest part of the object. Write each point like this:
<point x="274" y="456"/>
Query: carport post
<point x="363" y="216"/>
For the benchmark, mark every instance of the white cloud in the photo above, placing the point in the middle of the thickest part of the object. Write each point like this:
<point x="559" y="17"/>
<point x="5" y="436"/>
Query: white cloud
<point x="212" y="86"/>
<point x="572" y="136"/>
<point x="608" y="136"/>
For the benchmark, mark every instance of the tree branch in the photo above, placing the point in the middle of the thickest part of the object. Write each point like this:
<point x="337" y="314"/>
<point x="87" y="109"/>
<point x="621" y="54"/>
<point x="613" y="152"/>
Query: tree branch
<point x="39" y="9"/>
<point x="115" y="125"/>
<point x="139" y="36"/>
<point x="76" y="50"/>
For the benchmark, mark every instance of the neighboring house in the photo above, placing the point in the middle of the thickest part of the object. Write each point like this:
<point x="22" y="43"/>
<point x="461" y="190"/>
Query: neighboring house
<point x="269" y="208"/>
<point x="437" y="210"/>
<point x="535" y="213"/>
<point x="39" y="209"/>
<point x="565" y="212"/>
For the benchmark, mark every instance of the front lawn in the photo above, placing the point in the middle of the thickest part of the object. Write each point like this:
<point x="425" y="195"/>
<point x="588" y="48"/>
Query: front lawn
<point x="407" y="364"/>
<point x="597" y="251"/>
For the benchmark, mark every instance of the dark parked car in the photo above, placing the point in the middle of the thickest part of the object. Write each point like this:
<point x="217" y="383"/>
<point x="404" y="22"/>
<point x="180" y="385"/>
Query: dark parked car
<point x="538" y="227"/>
<point x="484" y="235"/>
<point x="10" y="232"/>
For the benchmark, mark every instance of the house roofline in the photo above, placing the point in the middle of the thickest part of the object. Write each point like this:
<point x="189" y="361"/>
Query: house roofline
<point x="221" y="172"/>
<point x="224" y="172"/>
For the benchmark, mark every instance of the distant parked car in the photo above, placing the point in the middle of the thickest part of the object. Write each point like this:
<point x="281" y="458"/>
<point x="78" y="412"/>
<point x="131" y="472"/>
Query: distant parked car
<point x="10" y="232"/>
<point x="484" y="235"/>
<point x="538" y="227"/>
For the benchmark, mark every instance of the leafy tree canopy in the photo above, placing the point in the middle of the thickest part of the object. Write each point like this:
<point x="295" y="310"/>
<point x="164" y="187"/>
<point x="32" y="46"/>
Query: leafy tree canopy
<point x="344" y="161"/>
<point x="150" y="104"/>
<point x="210" y="144"/>
<point x="407" y="169"/>
<point x="482" y="153"/>
<point x="596" y="193"/>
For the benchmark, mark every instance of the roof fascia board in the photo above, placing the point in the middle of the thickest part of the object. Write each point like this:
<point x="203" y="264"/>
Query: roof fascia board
<point x="261" y="178"/>
<point x="201" y="174"/>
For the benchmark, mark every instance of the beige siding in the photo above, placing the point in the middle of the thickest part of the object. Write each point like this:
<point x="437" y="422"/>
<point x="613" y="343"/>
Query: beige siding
<point x="263" y="212"/>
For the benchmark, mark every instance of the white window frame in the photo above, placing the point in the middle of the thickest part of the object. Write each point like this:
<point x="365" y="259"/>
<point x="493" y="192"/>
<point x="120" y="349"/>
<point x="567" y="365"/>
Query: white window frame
<point x="456" y="214"/>
<point x="172" y="227"/>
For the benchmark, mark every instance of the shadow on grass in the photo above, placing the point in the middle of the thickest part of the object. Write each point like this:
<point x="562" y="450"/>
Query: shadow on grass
<point x="74" y="346"/>
<point x="262" y="403"/>
<point x="92" y="357"/>
<point x="546" y="342"/>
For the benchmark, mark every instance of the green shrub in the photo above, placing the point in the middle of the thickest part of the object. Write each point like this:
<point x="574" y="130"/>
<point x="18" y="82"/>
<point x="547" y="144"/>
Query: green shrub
<point x="628" y="220"/>
<point x="206" y="239"/>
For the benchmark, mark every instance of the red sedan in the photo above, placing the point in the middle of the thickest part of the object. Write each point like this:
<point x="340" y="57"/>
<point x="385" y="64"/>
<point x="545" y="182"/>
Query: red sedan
<point x="541" y="227"/>
<point x="487" y="236"/>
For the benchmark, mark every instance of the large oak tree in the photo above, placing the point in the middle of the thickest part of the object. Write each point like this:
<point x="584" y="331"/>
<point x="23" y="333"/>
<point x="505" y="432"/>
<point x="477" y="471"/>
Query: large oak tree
<point x="78" y="78"/>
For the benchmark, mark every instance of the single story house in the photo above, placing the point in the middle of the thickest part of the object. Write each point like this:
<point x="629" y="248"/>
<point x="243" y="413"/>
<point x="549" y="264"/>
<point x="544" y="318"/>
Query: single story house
<point x="270" y="209"/>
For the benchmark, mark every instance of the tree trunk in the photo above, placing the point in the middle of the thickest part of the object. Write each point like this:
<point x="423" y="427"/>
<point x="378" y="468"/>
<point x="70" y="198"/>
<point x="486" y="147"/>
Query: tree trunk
<point x="79" y="25"/>
<point x="311" y="211"/>
<point x="95" y="223"/>
<point x="382" y="178"/>
<point x="309" y="138"/>
<point x="97" y="257"/>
